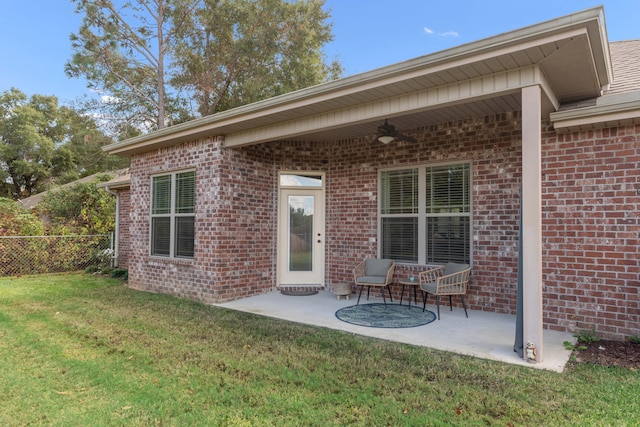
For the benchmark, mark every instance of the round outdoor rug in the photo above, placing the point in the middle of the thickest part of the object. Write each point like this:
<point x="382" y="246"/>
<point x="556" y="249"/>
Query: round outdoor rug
<point x="390" y="316"/>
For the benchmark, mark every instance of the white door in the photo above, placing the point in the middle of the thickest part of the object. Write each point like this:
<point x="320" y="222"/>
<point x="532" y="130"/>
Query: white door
<point x="301" y="230"/>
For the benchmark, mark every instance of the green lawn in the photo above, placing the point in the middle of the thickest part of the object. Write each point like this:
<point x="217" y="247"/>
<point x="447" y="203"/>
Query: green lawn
<point x="80" y="350"/>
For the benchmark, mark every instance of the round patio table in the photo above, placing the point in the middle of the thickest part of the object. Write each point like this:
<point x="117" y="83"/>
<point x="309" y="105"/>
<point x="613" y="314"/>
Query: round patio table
<point x="411" y="284"/>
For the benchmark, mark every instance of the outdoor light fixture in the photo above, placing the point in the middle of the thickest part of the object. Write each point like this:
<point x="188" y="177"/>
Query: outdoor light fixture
<point x="386" y="139"/>
<point x="387" y="134"/>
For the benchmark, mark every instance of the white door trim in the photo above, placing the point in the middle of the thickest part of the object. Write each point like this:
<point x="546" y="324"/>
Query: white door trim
<point x="314" y="276"/>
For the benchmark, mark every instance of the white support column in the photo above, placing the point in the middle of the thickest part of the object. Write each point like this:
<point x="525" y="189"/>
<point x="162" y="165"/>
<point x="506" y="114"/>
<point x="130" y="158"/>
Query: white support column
<point x="532" y="217"/>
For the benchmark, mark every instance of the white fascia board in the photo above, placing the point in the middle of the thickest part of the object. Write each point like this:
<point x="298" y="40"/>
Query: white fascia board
<point x="596" y="116"/>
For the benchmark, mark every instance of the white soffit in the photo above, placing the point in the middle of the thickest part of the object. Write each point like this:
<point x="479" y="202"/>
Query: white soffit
<point x="477" y="97"/>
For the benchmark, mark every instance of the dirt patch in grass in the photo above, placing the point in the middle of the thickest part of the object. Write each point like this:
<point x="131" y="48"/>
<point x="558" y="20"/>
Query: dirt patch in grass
<point x="625" y="354"/>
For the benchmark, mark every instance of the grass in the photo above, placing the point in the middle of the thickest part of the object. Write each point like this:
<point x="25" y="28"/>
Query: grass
<point x="84" y="350"/>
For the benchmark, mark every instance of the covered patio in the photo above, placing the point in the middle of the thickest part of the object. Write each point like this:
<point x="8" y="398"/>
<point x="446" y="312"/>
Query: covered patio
<point x="485" y="335"/>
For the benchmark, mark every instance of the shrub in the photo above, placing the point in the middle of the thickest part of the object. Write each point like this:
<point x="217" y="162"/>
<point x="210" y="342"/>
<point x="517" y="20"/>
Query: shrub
<point x="80" y="209"/>
<point x="16" y="220"/>
<point x="120" y="273"/>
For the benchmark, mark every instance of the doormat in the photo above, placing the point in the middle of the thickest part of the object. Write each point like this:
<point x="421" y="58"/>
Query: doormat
<point x="298" y="292"/>
<point x="378" y="315"/>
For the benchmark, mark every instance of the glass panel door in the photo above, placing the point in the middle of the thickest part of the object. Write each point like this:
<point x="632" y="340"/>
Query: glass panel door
<point x="301" y="237"/>
<point x="301" y="209"/>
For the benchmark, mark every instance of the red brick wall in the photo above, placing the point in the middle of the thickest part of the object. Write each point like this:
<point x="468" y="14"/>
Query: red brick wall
<point x="243" y="248"/>
<point x="492" y="144"/>
<point x="236" y="208"/>
<point x="591" y="226"/>
<point x="235" y="223"/>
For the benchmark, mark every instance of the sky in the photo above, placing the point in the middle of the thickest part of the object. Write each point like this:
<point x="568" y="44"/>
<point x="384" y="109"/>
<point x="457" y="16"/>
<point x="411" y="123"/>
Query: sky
<point x="368" y="34"/>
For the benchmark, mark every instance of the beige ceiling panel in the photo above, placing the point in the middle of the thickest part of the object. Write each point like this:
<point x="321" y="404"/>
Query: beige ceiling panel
<point x="485" y="87"/>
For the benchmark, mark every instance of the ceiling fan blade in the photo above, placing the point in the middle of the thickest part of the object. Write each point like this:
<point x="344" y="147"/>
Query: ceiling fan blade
<point x="403" y="137"/>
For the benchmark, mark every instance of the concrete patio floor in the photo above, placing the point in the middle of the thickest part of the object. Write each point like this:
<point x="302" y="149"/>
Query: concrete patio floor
<point x="484" y="335"/>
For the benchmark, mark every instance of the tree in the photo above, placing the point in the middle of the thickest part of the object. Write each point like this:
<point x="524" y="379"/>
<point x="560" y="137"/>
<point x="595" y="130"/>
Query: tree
<point x="122" y="52"/>
<point x="28" y="130"/>
<point x="235" y="52"/>
<point x="222" y="52"/>
<point x="42" y="143"/>
<point x="81" y="154"/>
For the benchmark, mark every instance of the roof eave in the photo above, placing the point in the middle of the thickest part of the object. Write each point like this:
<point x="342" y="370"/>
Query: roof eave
<point x="620" y="110"/>
<point x="592" y="19"/>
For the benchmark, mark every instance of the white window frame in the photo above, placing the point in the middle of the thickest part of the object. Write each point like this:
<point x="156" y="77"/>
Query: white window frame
<point x="172" y="215"/>
<point x="422" y="215"/>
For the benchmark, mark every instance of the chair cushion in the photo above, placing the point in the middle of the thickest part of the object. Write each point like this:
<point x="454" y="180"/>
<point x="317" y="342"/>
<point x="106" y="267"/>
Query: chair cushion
<point x="372" y="280"/>
<point x="429" y="287"/>
<point x="377" y="267"/>
<point x="453" y="267"/>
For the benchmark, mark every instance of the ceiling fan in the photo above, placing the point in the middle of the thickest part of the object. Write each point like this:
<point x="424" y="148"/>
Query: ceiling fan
<point x="387" y="133"/>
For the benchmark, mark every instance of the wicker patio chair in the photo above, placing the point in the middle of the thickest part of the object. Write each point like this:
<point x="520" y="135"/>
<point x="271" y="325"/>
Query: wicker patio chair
<point x="450" y="279"/>
<point x="374" y="272"/>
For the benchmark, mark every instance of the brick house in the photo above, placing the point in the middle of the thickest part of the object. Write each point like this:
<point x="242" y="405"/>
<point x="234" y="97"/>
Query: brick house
<point x="297" y="189"/>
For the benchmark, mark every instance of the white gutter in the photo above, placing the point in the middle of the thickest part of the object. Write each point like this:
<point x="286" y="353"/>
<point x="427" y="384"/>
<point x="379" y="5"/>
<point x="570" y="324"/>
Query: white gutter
<point x="116" y="251"/>
<point x="610" y="110"/>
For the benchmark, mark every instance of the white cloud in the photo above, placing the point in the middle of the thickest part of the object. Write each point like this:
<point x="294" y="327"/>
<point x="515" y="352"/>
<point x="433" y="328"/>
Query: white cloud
<point x="108" y="99"/>
<point x="444" y="34"/>
<point x="303" y="203"/>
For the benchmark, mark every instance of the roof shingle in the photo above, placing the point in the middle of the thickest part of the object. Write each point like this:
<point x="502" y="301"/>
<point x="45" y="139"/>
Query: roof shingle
<point x="625" y="60"/>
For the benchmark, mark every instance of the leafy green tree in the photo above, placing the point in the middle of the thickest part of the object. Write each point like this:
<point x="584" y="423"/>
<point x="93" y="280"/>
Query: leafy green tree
<point x="234" y="52"/>
<point x="82" y="208"/>
<point x="122" y="50"/>
<point x="81" y="154"/>
<point x="28" y="131"/>
<point x="152" y="58"/>
<point x="42" y="143"/>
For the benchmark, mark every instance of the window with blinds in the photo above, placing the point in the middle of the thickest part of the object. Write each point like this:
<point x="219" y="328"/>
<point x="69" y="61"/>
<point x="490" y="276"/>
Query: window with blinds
<point x="425" y="214"/>
<point x="173" y="215"/>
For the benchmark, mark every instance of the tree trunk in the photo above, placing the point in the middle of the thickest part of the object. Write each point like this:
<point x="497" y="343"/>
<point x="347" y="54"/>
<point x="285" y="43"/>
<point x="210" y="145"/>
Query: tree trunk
<point x="161" y="89"/>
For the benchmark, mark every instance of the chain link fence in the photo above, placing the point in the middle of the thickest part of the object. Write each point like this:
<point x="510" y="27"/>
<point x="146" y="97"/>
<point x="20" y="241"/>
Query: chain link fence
<point x="21" y="255"/>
